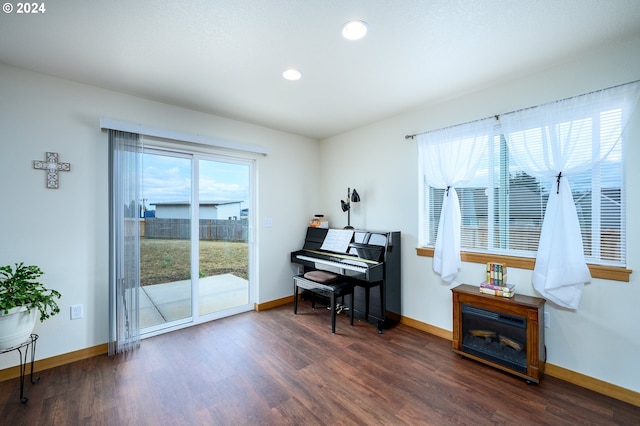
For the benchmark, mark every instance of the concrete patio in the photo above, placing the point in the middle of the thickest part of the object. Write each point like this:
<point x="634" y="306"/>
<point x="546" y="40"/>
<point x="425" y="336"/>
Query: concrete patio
<point x="161" y="303"/>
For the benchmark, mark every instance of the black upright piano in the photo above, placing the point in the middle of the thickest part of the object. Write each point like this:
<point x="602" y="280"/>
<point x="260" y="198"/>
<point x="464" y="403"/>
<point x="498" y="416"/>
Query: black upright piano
<point x="371" y="259"/>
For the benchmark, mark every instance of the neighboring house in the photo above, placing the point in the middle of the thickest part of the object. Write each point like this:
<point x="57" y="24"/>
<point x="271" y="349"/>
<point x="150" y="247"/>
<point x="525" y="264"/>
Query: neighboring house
<point x="208" y="210"/>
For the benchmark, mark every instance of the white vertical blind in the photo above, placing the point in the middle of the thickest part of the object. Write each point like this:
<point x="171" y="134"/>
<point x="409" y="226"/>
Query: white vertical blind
<point x="125" y="171"/>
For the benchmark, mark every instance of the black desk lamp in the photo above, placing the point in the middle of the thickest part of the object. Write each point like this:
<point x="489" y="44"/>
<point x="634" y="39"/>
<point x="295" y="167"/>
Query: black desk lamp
<point x="346" y="205"/>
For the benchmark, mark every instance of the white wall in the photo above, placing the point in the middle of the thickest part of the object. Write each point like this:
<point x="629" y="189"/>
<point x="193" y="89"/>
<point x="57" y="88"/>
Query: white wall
<point x="65" y="231"/>
<point x="602" y="338"/>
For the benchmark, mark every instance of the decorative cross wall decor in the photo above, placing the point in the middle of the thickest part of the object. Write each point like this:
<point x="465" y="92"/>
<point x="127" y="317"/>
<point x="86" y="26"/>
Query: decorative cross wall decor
<point x="52" y="167"/>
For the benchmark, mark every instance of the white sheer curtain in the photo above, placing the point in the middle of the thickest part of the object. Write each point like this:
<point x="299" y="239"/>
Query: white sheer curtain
<point x="555" y="141"/>
<point x="450" y="157"/>
<point x="125" y="168"/>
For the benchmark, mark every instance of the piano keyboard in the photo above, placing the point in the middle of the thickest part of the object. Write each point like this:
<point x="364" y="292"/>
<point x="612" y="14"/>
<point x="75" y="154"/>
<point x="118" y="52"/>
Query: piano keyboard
<point x="352" y="265"/>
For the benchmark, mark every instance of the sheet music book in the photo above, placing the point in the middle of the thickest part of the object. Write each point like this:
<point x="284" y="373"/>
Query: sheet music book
<point x="337" y="240"/>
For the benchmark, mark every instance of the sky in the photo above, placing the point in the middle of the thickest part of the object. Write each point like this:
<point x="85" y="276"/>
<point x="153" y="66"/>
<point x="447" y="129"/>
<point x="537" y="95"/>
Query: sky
<point x="168" y="178"/>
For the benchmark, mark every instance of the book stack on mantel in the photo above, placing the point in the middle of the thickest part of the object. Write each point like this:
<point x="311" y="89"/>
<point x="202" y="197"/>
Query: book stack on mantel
<point x="496" y="283"/>
<point x="505" y="290"/>
<point x="496" y="273"/>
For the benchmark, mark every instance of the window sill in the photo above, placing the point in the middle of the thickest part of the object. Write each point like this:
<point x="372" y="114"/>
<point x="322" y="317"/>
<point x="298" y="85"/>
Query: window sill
<point x="597" y="271"/>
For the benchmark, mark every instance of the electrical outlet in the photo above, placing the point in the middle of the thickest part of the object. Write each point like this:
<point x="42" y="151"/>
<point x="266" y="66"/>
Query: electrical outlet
<point x="547" y="319"/>
<point x="76" y="312"/>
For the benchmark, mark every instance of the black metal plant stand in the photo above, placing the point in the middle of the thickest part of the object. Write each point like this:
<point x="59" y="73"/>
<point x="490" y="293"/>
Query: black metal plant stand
<point x="23" y="350"/>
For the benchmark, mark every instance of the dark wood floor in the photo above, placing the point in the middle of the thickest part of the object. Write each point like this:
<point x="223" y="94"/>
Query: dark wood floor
<point x="274" y="368"/>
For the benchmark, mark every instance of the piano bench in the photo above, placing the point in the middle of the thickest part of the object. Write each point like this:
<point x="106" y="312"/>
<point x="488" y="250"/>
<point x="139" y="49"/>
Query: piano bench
<point x="328" y="284"/>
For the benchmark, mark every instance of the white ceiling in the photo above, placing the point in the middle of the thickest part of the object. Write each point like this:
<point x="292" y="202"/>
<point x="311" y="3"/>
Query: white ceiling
<point x="226" y="57"/>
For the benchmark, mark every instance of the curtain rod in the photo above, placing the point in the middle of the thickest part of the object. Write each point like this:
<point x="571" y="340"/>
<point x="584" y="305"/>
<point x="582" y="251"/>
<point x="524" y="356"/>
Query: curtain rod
<point x="497" y="116"/>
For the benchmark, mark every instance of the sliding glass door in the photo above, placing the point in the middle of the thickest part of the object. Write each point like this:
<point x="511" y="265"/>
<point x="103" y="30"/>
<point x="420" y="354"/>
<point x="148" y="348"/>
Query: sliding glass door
<point x="223" y="191"/>
<point x="195" y="249"/>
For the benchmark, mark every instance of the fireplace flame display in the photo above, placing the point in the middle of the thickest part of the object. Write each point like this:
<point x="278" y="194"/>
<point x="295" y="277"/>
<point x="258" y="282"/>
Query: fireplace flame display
<point x="489" y="336"/>
<point x="495" y="336"/>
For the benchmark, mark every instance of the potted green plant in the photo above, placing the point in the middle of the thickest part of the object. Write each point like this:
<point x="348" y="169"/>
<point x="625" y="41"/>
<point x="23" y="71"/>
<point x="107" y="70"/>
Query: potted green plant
<point x="22" y="297"/>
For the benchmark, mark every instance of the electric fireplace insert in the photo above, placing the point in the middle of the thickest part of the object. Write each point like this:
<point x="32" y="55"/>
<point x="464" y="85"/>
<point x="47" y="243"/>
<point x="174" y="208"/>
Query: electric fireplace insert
<point x="496" y="336"/>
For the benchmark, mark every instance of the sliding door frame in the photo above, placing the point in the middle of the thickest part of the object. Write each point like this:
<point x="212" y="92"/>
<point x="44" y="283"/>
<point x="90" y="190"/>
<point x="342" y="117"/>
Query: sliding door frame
<point x="196" y="153"/>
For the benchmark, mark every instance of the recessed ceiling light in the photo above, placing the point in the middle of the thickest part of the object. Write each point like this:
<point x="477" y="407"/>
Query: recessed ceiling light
<point x="354" y="30"/>
<point x="292" y="74"/>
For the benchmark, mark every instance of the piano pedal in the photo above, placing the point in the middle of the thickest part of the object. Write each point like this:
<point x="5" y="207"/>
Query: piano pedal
<point x="340" y="308"/>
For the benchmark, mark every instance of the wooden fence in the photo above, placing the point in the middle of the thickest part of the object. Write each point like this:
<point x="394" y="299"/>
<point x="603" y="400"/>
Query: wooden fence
<point x="210" y="229"/>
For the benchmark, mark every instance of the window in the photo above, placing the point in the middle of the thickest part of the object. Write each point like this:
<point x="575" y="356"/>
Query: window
<point x="502" y="208"/>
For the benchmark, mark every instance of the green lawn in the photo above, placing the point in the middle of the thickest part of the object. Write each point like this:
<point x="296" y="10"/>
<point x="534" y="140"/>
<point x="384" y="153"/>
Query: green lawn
<point x="163" y="260"/>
